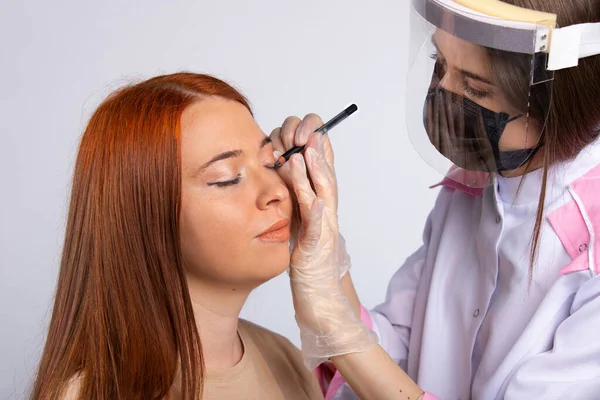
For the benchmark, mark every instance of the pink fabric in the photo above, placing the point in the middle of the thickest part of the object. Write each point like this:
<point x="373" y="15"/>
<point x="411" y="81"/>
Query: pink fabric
<point x="457" y="179"/>
<point x="366" y="317"/>
<point x="429" y="396"/>
<point x="569" y="225"/>
<point x="319" y="372"/>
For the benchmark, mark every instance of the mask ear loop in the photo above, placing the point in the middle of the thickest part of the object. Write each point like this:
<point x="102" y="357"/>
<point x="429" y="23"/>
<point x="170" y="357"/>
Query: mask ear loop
<point x="526" y="123"/>
<point x="526" y="115"/>
<point x="515" y="118"/>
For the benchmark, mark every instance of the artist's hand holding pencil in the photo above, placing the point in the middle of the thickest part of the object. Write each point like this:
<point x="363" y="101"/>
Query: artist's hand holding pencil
<point x="328" y="325"/>
<point x="293" y="133"/>
<point x="295" y="137"/>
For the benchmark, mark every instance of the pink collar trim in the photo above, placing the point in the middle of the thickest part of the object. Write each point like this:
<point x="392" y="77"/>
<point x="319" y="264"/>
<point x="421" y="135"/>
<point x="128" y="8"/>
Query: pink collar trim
<point x="577" y="222"/>
<point x="470" y="182"/>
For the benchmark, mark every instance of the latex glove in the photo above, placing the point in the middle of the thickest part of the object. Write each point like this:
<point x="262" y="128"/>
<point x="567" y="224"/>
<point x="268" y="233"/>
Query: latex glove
<point x="328" y="325"/>
<point x="297" y="132"/>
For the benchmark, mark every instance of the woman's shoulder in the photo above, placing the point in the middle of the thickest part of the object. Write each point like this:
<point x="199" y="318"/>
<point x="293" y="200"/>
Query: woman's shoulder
<point x="273" y="347"/>
<point x="283" y="358"/>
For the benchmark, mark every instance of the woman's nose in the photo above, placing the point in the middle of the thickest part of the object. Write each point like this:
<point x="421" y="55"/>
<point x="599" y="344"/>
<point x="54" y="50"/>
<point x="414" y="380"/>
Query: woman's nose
<point x="273" y="190"/>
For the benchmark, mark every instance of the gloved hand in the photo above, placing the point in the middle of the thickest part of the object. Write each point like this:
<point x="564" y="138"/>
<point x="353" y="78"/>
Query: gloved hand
<point x="328" y="325"/>
<point x="298" y="132"/>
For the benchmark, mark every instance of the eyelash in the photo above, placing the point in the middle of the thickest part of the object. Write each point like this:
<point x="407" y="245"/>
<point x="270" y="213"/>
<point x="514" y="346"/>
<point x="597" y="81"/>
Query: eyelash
<point x="227" y="183"/>
<point x="236" y="180"/>
<point x="478" y="94"/>
<point x="434" y="56"/>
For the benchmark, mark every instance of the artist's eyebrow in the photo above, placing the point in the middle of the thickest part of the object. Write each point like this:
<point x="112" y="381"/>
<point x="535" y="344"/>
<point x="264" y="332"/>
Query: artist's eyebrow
<point x="476" y="77"/>
<point x="232" y="154"/>
<point x="465" y="73"/>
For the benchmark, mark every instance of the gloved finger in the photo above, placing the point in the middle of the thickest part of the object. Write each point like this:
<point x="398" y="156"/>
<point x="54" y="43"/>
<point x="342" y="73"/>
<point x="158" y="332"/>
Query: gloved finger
<point x="295" y="222"/>
<point x="328" y="188"/>
<point x="284" y="171"/>
<point x="325" y="186"/>
<point x="311" y="227"/>
<point x="320" y="143"/>
<point x="276" y="140"/>
<point x="309" y="124"/>
<point x="300" y="185"/>
<point x="328" y="150"/>
<point x="288" y="132"/>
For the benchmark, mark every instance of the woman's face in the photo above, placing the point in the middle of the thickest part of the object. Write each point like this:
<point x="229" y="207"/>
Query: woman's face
<point x="230" y="197"/>
<point x="466" y="71"/>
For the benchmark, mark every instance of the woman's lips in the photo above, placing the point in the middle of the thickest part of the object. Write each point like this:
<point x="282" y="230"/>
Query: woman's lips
<point x="278" y="232"/>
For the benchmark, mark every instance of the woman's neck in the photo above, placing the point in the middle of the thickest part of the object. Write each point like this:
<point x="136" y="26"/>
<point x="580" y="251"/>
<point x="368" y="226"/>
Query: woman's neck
<point x="217" y="310"/>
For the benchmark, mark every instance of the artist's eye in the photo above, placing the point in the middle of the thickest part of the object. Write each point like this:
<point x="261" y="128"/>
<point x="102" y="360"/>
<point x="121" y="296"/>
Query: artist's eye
<point x="472" y="92"/>
<point x="226" y="183"/>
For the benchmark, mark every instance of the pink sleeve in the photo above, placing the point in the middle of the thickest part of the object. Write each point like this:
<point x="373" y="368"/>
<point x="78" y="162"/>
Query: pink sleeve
<point x="366" y="317"/>
<point x="429" y="396"/>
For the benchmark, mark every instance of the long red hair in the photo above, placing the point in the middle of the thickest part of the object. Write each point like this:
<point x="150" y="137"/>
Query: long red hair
<point x="122" y="319"/>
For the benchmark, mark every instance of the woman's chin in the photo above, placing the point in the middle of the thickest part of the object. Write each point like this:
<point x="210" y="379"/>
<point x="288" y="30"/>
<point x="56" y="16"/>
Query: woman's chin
<point x="273" y="263"/>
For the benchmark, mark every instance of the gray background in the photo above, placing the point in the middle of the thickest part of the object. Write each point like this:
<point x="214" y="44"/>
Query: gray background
<point x="59" y="59"/>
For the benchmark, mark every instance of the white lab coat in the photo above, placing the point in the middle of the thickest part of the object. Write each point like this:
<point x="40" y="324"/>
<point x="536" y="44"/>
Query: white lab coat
<point x="459" y="316"/>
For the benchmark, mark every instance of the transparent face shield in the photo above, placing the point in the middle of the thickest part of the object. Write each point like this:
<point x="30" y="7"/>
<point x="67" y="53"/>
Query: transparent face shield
<point x="478" y="89"/>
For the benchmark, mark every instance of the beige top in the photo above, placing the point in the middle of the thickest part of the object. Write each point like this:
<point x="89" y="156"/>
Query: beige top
<point x="271" y="368"/>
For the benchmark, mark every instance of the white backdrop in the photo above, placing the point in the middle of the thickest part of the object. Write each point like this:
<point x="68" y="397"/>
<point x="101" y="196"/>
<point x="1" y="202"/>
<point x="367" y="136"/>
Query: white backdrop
<point x="59" y="59"/>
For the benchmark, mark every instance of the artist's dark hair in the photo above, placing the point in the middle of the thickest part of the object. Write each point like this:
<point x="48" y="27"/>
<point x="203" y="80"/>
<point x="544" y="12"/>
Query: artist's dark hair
<point x="568" y="105"/>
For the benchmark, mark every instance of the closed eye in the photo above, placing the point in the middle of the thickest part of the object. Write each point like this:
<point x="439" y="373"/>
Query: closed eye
<point x="226" y="183"/>
<point x="471" y="91"/>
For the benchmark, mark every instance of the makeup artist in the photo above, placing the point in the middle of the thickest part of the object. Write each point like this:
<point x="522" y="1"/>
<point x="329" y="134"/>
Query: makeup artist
<point x="502" y="300"/>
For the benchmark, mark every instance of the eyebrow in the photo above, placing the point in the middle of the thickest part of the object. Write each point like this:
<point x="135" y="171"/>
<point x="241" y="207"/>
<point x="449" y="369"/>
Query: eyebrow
<point x="265" y="142"/>
<point x="471" y="75"/>
<point x="223" y="156"/>
<point x="232" y="154"/>
<point x="464" y="72"/>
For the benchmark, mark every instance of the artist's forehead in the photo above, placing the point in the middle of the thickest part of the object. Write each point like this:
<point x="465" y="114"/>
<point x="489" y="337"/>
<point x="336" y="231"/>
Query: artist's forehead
<point x="462" y="54"/>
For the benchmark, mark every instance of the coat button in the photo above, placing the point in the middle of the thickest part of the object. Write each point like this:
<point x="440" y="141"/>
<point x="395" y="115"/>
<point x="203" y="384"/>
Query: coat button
<point x="498" y="219"/>
<point x="476" y="313"/>
<point x="583" y="247"/>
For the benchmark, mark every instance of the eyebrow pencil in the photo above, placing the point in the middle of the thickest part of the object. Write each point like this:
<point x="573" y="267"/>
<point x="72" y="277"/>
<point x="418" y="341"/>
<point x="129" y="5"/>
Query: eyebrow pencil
<point x="323" y="130"/>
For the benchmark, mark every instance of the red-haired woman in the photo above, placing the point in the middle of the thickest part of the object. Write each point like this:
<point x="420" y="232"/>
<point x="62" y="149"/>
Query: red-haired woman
<point x="176" y="216"/>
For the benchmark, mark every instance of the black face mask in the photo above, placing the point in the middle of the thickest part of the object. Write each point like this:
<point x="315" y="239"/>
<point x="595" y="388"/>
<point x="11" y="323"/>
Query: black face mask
<point x="468" y="134"/>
